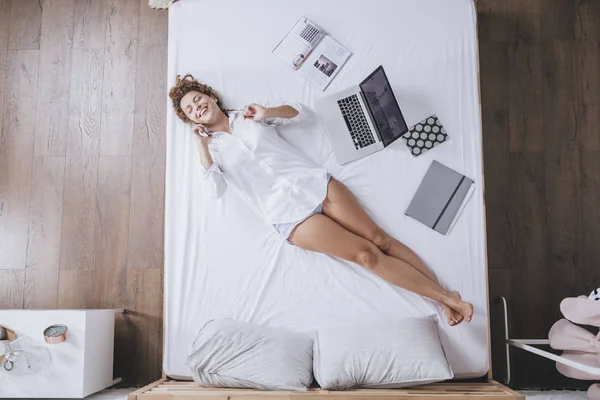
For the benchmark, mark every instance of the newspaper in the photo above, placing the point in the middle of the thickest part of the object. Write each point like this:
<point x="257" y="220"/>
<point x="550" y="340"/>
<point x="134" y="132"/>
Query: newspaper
<point x="309" y="50"/>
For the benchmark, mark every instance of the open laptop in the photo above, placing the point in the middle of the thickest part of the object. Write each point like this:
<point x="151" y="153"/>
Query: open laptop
<point x="362" y="119"/>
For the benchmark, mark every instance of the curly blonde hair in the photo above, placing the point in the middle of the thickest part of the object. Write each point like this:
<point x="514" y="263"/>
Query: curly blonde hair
<point x="185" y="85"/>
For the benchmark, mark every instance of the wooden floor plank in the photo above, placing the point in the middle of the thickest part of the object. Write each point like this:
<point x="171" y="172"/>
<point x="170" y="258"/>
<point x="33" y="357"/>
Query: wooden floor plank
<point x="45" y="217"/>
<point x="111" y="231"/>
<point x="119" y="78"/>
<point x="16" y="156"/>
<point x="54" y="78"/>
<point x="25" y="25"/>
<point x="153" y="25"/>
<point x="526" y="117"/>
<point x="4" y="30"/>
<point x="75" y="289"/>
<point x="144" y="305"/>
<point x="493" y="59"/>
<point x="64" y="80"/>
<point x="83" y="146"/>
<point x="4" y="23"/>
<point x="146" y="228"/>
<point x="91" y="17"/>
<point x="11" y="289"/>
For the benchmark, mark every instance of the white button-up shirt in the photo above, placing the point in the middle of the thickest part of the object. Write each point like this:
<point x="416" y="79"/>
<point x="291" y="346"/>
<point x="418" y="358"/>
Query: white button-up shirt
<point x="277" y="181"/>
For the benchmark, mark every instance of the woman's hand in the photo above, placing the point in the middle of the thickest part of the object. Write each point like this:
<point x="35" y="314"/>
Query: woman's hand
<point x="255" y="112"/>
<point x="201" y="136"/>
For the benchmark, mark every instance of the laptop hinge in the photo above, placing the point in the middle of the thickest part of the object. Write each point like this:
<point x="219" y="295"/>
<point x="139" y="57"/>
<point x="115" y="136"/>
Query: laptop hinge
<point x="373" y="122"/>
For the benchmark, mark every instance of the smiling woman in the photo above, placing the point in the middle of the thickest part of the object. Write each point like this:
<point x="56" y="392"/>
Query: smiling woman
<point x="184" y="86"/>
<point x="297" y="197"/>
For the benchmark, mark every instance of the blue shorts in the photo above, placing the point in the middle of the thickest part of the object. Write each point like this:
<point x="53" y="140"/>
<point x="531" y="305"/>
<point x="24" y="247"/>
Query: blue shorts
<point x="286" y="229"/>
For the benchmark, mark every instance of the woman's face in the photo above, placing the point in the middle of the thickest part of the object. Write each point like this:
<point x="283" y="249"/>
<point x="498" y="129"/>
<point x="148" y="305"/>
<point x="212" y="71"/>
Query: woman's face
<point x="200" y="108"/>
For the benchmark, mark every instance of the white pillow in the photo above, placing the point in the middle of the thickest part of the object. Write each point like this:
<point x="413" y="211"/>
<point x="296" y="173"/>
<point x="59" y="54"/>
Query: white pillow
<point x="392" y="355"/>
<point x="233" y="354"/>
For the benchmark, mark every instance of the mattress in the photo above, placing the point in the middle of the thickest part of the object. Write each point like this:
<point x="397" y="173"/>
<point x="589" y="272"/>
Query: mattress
<point x="222" y="261"/>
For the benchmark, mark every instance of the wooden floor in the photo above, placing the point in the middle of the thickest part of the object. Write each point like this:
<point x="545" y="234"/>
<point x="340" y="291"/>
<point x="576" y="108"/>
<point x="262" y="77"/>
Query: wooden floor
<point x="82" y="111"/>
<point x="82" y="154"/>
<point x="540" y="86"/>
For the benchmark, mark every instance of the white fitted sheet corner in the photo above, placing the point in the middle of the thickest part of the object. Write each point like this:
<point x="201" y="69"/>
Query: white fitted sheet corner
<point x="221" y="261"/>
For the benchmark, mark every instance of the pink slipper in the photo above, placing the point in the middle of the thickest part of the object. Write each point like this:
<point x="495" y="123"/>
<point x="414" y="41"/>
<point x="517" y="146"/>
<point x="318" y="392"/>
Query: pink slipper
<point x="590" y="359"/>
<point x="581" y="310"/>
<point x="565" y="335"/>
<point x="593" y="392"/>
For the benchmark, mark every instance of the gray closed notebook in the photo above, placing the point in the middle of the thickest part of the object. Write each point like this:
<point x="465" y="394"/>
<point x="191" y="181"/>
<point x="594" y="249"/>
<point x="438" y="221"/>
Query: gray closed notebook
<point x="440" y="197"/>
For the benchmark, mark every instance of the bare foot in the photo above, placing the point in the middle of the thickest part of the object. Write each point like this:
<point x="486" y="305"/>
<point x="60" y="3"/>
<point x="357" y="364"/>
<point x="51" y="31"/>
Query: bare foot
<point x="463" y="308"/>
<point x="454" y="317"/>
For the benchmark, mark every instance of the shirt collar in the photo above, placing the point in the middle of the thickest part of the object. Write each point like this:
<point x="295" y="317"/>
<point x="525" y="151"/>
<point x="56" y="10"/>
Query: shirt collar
<point x="232" y="117"/>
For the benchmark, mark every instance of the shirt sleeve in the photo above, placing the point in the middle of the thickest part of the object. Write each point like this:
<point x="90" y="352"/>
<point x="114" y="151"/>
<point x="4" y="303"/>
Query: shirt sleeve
<point x="214" y="180"/>
<point x="302" y="114"/>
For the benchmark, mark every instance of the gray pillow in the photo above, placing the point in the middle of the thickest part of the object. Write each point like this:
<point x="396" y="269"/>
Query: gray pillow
<point x="233" y="354"/>
<point x="391" y="355"/>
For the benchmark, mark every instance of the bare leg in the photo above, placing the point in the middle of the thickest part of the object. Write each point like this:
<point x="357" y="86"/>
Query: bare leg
<point x="343" y="207"/>
<point x="321" y="234"/>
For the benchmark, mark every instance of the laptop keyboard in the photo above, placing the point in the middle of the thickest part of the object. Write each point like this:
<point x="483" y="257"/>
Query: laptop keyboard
<point x="356" y="121"/>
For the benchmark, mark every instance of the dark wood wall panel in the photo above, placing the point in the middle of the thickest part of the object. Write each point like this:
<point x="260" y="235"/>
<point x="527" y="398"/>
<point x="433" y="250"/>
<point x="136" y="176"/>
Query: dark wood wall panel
<point x="493" y="58"/>
<point x="587" y="29"/>
<point x="563" y="186"/>
<point x="588" y="92"/>
<point x="558" y="19"/>
<point x="542" y="173"/>
<point x="526" y="123"/>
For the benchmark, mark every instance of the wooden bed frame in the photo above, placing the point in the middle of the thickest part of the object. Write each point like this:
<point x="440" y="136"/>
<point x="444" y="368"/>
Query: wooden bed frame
<point x="165" y="389"/>
<point x="169" y="389"/>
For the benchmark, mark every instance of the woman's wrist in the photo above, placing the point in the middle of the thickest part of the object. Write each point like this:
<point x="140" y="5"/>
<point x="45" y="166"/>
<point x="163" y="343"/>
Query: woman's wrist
<point x="270" y="112"/>
<point x="284" y="111"/>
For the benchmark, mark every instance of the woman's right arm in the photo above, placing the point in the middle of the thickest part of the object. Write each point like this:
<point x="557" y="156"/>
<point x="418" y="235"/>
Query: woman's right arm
<point x="205" y="156"/>
<point x="211" y="173"/>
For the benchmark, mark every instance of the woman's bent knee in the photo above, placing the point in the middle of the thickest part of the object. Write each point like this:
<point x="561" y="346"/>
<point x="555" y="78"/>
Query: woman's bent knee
<point x="368" y="256"/>
<point x="382" y="240"/>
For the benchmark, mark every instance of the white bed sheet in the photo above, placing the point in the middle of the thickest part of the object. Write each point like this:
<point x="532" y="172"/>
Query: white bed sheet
<point x="222" y="261"/>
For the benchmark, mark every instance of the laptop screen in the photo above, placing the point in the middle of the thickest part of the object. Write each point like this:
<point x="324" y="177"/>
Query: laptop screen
<point x="384" y="107"/>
